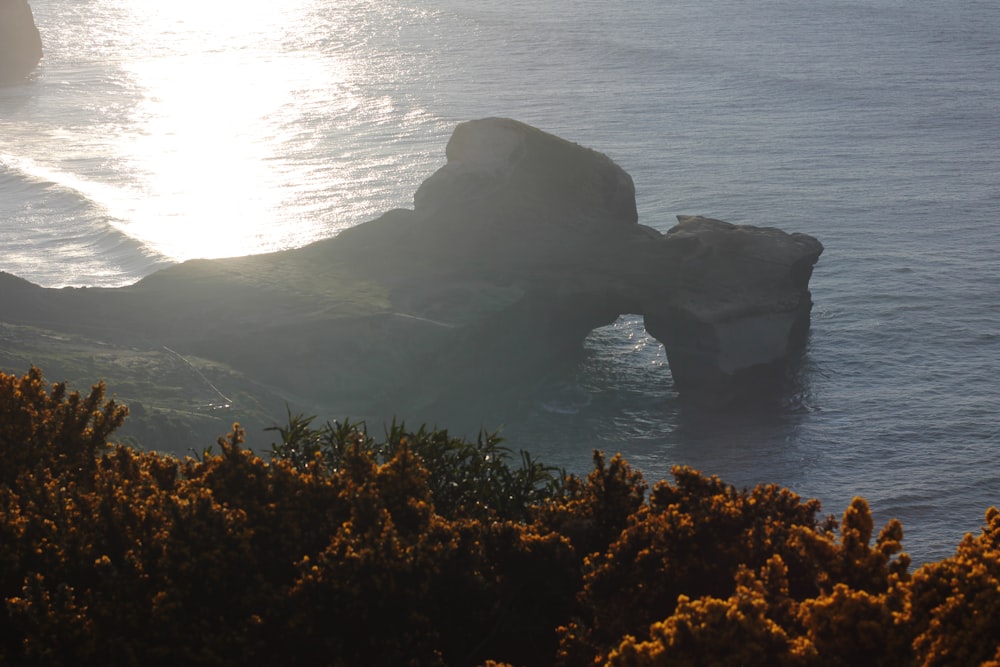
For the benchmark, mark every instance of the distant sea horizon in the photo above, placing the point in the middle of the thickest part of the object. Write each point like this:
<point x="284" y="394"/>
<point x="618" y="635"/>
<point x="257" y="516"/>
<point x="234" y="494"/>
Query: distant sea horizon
<point x="154" y="133"/>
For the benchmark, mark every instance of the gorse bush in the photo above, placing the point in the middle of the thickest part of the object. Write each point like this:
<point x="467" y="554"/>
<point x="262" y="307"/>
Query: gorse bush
<point x="425" y="549"/>
<point x="470" y="479"/>
<point x="52" y="430"/>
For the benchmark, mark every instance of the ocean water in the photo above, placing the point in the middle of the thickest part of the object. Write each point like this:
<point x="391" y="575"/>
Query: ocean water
<point x="153" y="133"/>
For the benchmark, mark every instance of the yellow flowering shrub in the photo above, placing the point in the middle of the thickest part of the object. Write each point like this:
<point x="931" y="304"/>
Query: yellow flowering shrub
<point x="690" y="539"/>
<point x="58" y="429"/>
<point x="711" y="631"/>
<point x="594" y="511"/>
<point x="955" y="603"/>
<point x="426" y="550"/>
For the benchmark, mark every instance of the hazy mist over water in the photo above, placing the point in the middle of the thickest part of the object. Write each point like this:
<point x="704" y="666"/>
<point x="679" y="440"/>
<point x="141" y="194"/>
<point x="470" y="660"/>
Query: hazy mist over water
<point x="159" y="132"/>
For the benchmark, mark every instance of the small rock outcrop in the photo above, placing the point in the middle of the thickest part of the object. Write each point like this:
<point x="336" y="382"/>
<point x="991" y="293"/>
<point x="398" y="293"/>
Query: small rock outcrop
<point x="20" y="42"/>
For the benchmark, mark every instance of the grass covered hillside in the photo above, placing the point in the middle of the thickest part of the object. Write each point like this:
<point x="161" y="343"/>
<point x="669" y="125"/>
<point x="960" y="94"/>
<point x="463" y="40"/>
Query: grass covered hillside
<point x="337" y="548"/>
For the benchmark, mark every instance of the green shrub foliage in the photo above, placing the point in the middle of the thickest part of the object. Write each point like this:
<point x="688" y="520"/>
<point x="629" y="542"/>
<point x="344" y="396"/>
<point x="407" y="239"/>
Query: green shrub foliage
<point x="425" y="549"/>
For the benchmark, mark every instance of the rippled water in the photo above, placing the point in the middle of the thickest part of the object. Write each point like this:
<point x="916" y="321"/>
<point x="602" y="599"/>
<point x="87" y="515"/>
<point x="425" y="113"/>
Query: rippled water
<point x="158" y="132"/>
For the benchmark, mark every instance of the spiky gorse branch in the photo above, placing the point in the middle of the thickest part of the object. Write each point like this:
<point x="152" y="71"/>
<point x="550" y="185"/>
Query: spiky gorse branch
<point x="39" y="426"/>
<point x="424" y="549"/>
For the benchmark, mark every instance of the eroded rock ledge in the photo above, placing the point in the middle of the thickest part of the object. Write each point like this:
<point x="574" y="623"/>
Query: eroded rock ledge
<point x="515" y="250"/>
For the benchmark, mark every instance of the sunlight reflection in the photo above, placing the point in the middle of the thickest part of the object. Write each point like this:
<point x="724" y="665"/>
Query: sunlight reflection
<point x="220" y="92"/>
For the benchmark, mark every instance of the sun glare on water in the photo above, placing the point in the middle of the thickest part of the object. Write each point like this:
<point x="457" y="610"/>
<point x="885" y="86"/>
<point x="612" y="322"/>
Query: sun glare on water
<point x="218" y="92"/>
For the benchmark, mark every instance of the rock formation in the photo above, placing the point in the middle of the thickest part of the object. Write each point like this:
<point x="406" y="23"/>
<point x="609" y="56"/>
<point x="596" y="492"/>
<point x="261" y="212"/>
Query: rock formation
<point x="20" y="43"/>
<point x="558" y="223"/>
<point x="515" y="250"/>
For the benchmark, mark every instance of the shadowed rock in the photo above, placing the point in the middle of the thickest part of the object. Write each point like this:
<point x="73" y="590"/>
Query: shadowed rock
<point x="20" y="43"/>
<point x="515" y="250"/>
<point x="557" y="222"/>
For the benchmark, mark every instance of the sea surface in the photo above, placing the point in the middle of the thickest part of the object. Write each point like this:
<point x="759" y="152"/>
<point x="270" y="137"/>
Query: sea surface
<point x="156" y="132"/>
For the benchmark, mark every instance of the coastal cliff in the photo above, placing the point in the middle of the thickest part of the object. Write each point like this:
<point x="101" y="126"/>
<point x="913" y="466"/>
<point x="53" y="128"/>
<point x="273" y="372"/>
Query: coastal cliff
<point x="515" y="250"/>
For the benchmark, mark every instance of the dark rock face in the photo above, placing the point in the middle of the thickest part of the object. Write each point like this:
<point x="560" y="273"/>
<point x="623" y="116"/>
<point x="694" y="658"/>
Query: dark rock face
<point x="20" y="43"/>
<point x="738" y="311"/>
<point x="515" y="250"/>
<point x="558" y="221"/>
